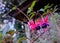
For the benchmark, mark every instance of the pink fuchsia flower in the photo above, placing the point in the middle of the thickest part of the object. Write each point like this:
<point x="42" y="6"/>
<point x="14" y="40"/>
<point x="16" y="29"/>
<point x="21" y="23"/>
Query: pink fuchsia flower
<point x="39" y="22"/>
<point x="45" y="23"/>
<point x="32" y="25"/>
<point x="46" y="20"/>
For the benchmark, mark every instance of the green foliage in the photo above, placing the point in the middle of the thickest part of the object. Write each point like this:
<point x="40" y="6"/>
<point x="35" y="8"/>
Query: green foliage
<point x="46" y="9"/>
<point x="31" y="14"/>
<point x="13" y="8"/>
<point x="21" y="39"/>
<point x="31" y="7"/>
<point x="1" y="41"/>
<point x="0" y="35"/>
<point x="11" y="32"/>
<point x="48" y="6"/>
<point x="33" y="4"/>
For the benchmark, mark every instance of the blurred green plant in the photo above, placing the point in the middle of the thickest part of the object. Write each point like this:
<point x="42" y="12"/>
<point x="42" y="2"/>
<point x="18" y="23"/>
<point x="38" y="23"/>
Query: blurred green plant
<point x="30" y="9"/>
<point x="11" y="32"/>
<point x="13" y="8"/>
<point x="1" y="37"/>
<point x="1" y="41"/>
<point x="47" y="7"/>
<point x="21" y="39"/>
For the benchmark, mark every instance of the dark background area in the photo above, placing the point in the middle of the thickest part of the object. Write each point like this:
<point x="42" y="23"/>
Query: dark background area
<point x="39" y="4"/>
<point x="42" y="3"/>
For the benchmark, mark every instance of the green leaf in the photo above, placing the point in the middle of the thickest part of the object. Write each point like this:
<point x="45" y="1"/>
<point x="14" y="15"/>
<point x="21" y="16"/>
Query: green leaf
<point x="13" y="8"/>
<point x="0" y="35"/>
<point x="21" y="39"/>
<point x="46" y="7"/>
<point x="33" y="4"/>
<point x="51" y="5"/>
<point x="32" y="14"/>
<point x="11" y="32"/>
<point x="48" y="11"/>
<point x="29" y="10"/>
<point x="31" y="7"/>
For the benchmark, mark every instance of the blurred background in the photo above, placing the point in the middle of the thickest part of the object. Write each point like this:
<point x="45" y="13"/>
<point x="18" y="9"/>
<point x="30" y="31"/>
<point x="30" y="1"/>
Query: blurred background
<point x="13" y="22"/>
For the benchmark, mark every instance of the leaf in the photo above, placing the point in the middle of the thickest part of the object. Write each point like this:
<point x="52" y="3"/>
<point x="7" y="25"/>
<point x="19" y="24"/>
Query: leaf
<point x="29" y="10"/>
<point x="33" y="4"/>
<point x="51" y="5"/>
<point x="31" y="7"/>
<point x="55" y="8"/>
<point x="11" y="32"/>
<point x="21" y="39"/>
<point x="0" y="35"/>
<point x="32" y="14"/>
<point x="47" y="11"/>
<point x="13" y="8"/>
<point x="46" y="7"/>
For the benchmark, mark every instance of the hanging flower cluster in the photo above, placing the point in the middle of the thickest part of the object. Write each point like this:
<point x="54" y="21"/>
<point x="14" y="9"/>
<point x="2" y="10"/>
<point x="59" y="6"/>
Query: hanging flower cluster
<point x="44" y="21"/>
<point x="41" y="23"/>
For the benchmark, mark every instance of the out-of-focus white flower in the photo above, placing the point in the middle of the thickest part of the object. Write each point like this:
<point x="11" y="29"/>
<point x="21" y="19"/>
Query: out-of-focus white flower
<point x="2" y="7"/>
<point x="5" y="21"/>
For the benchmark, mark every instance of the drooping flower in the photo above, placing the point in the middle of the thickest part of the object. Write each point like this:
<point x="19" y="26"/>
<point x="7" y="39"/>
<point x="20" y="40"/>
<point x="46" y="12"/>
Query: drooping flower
<point x="46" y="20"/>
<point x="45" y="23"/>
<point x="32" y="25"/>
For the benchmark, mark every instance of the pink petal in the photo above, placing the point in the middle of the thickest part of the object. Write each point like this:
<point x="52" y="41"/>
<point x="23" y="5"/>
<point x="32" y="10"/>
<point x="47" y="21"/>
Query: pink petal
<point x="39" y="22"/>
<point x="32" y="25"/>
